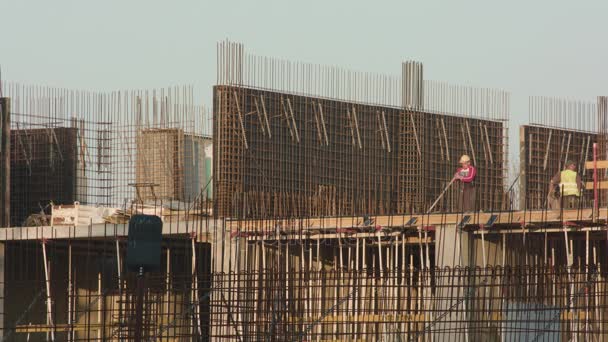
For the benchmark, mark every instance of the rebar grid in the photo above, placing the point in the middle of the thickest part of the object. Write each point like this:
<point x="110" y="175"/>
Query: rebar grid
<point x="513" y="303"/>
<point x="77" y="287"/>
<point x="105" y="148"/>
<point x="291" y="156"/>
<point x="332" y="286"/>
<point x="94" y="304"/>
<point x="544" y="153"/>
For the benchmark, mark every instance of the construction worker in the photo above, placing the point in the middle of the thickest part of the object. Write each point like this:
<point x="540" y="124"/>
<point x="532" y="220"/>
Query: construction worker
<point x="553" y="198"/>
<point x="569" y="185"/>
<point x="466" y="175"/>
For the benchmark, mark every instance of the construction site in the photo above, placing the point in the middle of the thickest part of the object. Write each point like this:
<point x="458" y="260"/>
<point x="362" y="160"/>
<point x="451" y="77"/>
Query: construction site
<point x="306" y="203"/>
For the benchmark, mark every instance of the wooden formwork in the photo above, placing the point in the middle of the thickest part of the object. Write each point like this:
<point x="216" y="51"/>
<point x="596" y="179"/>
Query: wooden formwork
<point x="43" y="169"/>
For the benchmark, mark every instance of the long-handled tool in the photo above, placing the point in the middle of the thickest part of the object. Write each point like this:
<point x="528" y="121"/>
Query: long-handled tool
<point x="441" y="195"/>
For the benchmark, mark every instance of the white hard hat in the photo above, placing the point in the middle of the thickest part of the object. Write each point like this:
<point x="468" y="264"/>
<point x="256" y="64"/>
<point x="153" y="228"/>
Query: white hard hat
<point x="464" y="159"/>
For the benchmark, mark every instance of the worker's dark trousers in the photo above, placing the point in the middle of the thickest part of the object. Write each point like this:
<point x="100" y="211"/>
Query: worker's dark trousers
<point x="570" y="202"/>
<point x="467" y="201"/>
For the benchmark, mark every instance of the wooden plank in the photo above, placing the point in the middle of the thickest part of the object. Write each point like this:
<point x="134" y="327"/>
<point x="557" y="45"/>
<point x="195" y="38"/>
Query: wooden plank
<point x="293" y="120"/>
<point x="602" y="185"/>
<point x="546" y="159"/>
<point x="364" y="318"/>
<point x="286" y="117"/>
<point x="538" y="217"/>
<point x="601" y="164"/>
<point x="485" y="128"/>
<point x="265" y="116"/>
<point x="561" y="151"/>
<point x="466" y="122"/>
<point x="415" y="133"/>
<point x="323" y="124"/>
<point x="388" y="142"/>
<point x="102" y="231"/>
<point x="45" y="328"/>
<point x="380" y="130"/>
<point x="356" y="122"/>
<point x="417" y="318"/>
<point x="410" y="240"/>
<point x="440" y="140"/>
<point x="351" y="126"/>
<point x="567" y="149"/>
<point x="545" y="230"/>
<point x="317" y="123"/>
<point x="259" y="115"/>
<point x="445" y="139"/>
<point x="241" y="123"/>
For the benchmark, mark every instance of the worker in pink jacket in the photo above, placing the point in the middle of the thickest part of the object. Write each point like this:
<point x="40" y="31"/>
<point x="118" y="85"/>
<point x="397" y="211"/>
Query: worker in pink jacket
<point x="466" y="175"/>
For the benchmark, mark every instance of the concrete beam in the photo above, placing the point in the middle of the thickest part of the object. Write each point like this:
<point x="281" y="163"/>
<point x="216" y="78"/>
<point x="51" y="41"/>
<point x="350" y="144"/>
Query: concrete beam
<point x="104" y="230"/>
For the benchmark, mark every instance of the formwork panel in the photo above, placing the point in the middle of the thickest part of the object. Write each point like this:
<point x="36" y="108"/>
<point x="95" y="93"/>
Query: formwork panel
<point x="443" y="140"/>
<point x="544" y="152"/>
<point x="43" y="170"/>
<point x="285" y="155"/>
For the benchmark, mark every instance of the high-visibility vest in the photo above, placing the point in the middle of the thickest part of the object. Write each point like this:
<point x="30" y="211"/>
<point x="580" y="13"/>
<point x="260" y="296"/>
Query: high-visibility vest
<point x="568" y="185"/>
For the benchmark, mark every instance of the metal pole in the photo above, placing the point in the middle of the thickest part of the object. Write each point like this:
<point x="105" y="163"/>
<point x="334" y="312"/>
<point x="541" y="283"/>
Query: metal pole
<point x="47" y="281"/>
<point x="441" y="195"/>
<point x="139" y="310"/>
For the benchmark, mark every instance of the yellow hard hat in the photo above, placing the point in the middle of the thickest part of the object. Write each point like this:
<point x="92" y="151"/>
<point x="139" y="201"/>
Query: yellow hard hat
<point x="464" y="159"/>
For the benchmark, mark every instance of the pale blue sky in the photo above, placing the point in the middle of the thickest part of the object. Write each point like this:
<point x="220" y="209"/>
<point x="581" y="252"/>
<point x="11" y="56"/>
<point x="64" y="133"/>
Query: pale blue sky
<point x="556" y="48"/>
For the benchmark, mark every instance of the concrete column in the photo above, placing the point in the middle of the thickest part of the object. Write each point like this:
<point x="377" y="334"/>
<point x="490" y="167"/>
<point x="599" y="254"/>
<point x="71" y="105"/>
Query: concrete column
<point x="452" y="247"/>
<point x="488" y="246"/>
<point x="522" y="167"/>
<point x="412" y="77"/>
<point x="229" y="255"/>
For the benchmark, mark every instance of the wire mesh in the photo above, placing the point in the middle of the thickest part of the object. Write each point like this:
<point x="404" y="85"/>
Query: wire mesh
<point x="545" y="151"/>
<point x="540" y="304"/>
<point x="105" y="149"/>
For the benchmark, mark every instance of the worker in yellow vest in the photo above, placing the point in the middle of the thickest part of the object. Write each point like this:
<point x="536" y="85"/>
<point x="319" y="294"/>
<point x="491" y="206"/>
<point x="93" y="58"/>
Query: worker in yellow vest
<point x="569" y="185"/>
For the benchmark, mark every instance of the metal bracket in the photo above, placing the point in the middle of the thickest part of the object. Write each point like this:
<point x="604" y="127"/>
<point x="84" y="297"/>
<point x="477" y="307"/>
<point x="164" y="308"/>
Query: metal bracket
<point x="411" y="221"/>
<point x="465" y="220"/>
<point x="491" y="221"/>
